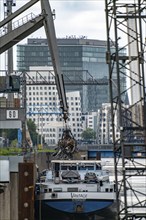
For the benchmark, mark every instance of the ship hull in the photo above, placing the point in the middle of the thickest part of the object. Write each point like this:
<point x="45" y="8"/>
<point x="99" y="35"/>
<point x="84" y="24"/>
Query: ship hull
<point x="75" y="208"/>
<point x="75" y="189"/>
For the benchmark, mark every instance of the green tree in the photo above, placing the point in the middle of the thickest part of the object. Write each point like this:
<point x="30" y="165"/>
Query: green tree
<point x="14" y="143"/>
<point x="10" y="134"/>
<point x="32" y="131"/>
<point x="88" y="134"/>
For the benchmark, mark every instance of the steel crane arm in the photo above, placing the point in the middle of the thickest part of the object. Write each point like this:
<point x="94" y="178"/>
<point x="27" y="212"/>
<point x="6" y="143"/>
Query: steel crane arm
<point x="21" y="32"/>
<point x="18" y="12"/>
<point x="52" y="43"/>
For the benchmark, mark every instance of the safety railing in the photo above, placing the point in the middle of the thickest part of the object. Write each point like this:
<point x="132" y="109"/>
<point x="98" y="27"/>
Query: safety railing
<point x="18" y="23"/>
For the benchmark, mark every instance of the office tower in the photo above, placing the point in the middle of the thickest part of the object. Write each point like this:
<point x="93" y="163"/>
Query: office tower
<point x="83" y="63"/>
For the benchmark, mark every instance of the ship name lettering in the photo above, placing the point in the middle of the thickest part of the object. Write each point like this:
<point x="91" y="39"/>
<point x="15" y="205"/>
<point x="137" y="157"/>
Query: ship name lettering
<point x="78" y="196"/>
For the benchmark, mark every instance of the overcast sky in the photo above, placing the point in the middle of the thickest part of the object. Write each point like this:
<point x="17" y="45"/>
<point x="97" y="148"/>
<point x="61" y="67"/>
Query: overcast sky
<point x="73" y="18"/>
<point x="76" y="17"/>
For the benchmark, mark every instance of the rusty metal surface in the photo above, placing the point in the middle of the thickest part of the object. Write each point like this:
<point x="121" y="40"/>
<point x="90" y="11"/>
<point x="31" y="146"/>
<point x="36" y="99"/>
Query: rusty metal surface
<point x="26" y="191"/>
<point x="67" y="146"/>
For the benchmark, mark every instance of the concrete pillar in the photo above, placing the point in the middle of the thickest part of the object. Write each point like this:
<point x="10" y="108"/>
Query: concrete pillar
<point x="5" y="203"/>
<point x="42" y="161"/>
<point x="14" y="196"/>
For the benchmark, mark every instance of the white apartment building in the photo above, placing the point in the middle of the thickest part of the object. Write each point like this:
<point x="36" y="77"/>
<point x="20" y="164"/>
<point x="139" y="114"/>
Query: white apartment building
<point x="104" y="126"/>
<point x="90" y="121"/>
<point x="43" y="106"/>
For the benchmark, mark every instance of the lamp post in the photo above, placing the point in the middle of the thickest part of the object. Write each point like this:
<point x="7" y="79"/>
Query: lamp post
<point x="41" y="129"/>
<point x="38" y="126"/>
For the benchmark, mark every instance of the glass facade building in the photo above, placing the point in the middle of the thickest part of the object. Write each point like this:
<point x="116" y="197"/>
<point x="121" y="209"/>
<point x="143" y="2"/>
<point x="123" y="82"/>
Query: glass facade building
<point x="82" y="61"/>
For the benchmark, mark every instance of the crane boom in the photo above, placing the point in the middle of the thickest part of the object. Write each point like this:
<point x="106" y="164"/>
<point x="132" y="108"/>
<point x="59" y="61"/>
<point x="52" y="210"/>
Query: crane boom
<point x="52" y="43"/>
<point x="67" y="145"/>
<point x="46" y="20"/>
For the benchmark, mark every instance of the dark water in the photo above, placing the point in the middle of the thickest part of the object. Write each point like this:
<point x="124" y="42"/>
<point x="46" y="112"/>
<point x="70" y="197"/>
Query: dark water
<point x="75" y="217"/>
<point x="52" y="215"/>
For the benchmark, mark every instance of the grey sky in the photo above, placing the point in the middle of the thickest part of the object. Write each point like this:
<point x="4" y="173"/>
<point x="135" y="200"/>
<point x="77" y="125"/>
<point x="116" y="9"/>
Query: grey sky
<point x="73" y="17"/>
<point x="80" y="18"/>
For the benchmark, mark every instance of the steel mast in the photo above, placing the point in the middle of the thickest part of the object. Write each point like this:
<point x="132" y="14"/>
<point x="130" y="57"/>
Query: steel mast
<point x="125" y="24"/>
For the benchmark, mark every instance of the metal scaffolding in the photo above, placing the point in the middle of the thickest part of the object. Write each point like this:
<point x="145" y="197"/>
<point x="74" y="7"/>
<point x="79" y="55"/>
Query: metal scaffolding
<point x="126" y="24"/>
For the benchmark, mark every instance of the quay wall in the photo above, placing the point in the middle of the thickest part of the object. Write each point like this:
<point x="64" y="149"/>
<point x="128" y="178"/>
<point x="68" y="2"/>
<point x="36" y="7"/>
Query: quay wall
<point x="9" y="190"/>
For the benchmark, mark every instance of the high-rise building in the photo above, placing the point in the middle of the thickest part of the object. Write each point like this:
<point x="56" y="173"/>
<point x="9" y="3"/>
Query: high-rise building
<point x="43" y="106"/>
<point x="82" y="60"/>
<point x="104" y="125"/>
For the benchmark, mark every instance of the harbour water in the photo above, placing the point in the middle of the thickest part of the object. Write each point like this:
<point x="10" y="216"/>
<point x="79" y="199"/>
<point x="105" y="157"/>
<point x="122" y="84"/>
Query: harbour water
<point x="138" y="182"/>
<point x="55" y="216"/>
